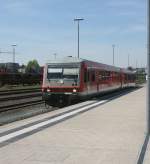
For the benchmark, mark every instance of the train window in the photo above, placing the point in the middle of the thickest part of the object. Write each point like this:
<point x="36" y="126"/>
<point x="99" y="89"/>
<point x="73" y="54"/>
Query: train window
<point x="108" y="75"/>
<point x="65" y="73"/>
<point x="126" y="77"/>
<point x="93" y="76"/>
<point x="104" y="75"/>
<point x="70" y="73"/>
<point x="101" y="75"/>
<point x="129" y="77"/>
<point x="88" y="75"/>
<point x="117" y="76"/>
<point x="55" y="73"/>
<point x="54" y="70"/>
<point x="85" y="75"/>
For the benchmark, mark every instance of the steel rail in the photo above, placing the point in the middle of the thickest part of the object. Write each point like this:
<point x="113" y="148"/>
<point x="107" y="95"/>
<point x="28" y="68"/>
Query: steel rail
<point x="18" y="97"/>
<point x="20" y="105"/>
<point x="40" y="101"/>
<point x="19" y="91"/>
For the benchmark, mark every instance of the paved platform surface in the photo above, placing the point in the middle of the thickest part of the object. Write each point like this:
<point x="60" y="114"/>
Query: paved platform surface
<point x="112" y="133"/>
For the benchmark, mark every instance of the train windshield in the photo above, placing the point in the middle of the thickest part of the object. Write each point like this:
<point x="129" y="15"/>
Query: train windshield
<point x="65" y="73"/>
<point x="54" y="73"/>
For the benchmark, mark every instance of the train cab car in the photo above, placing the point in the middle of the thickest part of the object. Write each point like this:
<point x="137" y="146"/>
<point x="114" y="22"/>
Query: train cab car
<point x="75" y="78"/>
<point x="61" y="80"/>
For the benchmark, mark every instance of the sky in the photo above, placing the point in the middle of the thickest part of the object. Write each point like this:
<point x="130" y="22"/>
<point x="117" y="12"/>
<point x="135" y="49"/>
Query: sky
<point x="41" y="28"/>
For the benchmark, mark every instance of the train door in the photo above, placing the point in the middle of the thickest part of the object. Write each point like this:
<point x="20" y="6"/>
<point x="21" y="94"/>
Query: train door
<point x="89" y="81"/>
<point x="97" y="80"/>
<point x="121" y="79"/>
<point x="101" y="79"/>
<point x="86" y="81"/>
<point x="93" y="82"/>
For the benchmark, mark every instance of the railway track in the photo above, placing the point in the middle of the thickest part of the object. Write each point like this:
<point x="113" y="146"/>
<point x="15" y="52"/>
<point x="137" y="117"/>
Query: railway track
<point x="19" y="91"/>
<point x="33" y="98"/>
<point x="18" y="111"/>
<point x="14" y="99"/>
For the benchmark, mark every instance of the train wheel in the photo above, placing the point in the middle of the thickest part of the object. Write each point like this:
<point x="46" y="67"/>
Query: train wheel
<point x="47" y="106"/>
<point x="68" y="101"/>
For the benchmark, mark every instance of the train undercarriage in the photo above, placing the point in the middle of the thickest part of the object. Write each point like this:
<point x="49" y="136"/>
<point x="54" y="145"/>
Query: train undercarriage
<point x="58" y="100"/>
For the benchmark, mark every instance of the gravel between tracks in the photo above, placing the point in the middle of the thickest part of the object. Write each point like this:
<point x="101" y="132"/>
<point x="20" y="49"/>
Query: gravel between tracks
<point x="17" y="114"/>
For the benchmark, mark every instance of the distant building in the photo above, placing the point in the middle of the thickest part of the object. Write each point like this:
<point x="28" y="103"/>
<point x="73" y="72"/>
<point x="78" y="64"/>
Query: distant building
<point x="12" y="67"/>
<point x="9" y="67"/>
<point x="22" y="69"/>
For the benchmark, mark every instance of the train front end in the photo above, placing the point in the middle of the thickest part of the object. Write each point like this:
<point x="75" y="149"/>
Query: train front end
<point x="61" y="81"/>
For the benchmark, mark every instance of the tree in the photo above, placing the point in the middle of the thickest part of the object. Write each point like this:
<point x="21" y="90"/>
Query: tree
<point x="33" y="67"/>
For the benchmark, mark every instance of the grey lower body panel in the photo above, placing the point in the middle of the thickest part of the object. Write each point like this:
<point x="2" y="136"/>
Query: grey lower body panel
<point x="59" y="99"/>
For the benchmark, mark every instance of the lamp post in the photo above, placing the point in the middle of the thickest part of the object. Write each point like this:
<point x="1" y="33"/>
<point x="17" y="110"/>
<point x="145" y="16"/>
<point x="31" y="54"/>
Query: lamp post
<point x="14" y="45"/>
<point x="136" y="63"/>
<point x="113" y="46"/>
<point x="55" y="55"/>
<point x="78" y="20"/>
<point x="128" y="60"/>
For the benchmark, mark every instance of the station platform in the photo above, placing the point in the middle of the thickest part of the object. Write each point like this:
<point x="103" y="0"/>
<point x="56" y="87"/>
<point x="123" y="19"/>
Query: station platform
<point x="110" y="133"/>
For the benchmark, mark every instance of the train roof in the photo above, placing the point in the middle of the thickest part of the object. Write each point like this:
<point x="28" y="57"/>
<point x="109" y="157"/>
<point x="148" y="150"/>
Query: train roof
<point x="90" y="64"/>
<point x="68" y="59"/>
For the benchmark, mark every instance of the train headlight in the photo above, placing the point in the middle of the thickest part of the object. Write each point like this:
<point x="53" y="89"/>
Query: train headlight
<point x="48" y="90"/>
<point x="74" y="90"/>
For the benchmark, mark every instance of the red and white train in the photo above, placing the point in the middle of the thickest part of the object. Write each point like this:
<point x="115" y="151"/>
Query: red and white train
<point x="74" y="78"/>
